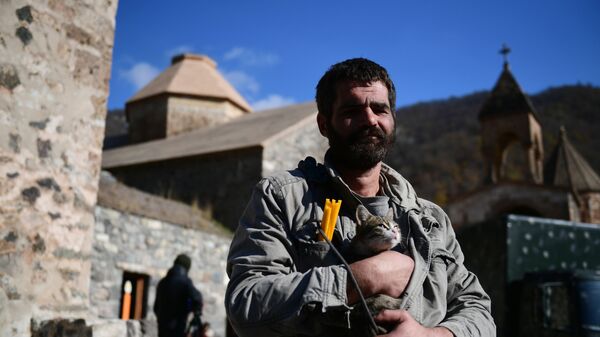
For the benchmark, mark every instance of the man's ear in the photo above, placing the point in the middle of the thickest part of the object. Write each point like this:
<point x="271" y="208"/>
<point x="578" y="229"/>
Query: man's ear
<point x="322" y="123"/>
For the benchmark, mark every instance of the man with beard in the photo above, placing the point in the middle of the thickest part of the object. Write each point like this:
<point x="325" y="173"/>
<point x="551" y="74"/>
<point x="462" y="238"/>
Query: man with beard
<point x="284" y="281"/>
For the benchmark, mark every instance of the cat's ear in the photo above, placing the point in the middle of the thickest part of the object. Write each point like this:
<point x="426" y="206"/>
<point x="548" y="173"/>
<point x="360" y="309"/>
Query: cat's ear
<point x="390" y="215"/>
<point x="362" y="214"/>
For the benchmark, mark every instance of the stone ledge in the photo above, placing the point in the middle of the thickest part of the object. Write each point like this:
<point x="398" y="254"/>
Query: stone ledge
<point x="115" y="195"/>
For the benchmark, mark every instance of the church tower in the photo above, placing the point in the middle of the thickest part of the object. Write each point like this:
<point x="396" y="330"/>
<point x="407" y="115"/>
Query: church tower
<point x="507" y="116"/>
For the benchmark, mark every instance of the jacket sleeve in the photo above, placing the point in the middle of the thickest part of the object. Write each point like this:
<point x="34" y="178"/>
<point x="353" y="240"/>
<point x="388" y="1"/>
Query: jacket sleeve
<point x="266" y="295"/>
<point x="468" y="305"/>
<point x="195" y="296"/>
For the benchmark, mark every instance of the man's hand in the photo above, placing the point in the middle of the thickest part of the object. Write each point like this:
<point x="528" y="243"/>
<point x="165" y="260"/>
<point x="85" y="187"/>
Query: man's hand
<point x="407" y="326"/>
<point x="386" y="273"/>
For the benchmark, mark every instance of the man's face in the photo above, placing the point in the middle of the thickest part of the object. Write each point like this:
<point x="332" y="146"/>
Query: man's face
<point x="361" y="127"/>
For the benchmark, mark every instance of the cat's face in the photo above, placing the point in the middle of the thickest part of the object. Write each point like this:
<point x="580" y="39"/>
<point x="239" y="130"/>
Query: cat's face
<point x="374" y="233"/>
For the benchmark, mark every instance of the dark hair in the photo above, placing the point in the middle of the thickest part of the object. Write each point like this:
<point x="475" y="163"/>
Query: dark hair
<point x="354" y="70"/>
<point x="184" y="261"/>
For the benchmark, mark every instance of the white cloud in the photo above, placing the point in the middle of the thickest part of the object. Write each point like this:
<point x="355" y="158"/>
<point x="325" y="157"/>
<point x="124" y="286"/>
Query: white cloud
<point x="234" y="53"/>
<point x="140" y="74"/>
<point x="250" y="57"/>
<point x="242" y="81"/>
<point x="272" y="101"/>
<point x="183" y="49"/>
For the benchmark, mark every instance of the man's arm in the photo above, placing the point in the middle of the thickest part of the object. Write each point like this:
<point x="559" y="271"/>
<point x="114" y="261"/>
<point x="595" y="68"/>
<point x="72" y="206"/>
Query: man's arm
<point x="386" y="273"/>
<point x="196" y="297"/>
<point x="266" y="294"/>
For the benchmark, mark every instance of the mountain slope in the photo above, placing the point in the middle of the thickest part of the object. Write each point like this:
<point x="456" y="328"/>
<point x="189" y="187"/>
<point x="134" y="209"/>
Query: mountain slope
<point x="438" y="144"/>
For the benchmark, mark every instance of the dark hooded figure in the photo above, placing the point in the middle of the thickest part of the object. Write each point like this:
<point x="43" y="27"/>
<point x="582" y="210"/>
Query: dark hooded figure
<point x="176" y="297"/>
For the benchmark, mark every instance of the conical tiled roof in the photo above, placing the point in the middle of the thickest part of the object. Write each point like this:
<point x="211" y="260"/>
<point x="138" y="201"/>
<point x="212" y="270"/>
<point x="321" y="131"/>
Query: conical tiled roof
<point x="193" y="75"/>
<point x="567" y="168"/>
<point x="506" y="98"/>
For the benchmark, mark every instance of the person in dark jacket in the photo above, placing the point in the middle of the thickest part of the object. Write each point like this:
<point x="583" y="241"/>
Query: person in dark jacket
<point x="176" y="297"/>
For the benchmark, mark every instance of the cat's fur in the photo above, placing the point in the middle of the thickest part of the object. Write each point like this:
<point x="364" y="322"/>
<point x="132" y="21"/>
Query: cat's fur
<point x="374" y="234"/>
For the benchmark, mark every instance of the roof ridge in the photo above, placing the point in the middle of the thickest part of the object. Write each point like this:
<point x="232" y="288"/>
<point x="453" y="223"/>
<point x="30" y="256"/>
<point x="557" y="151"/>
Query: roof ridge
<point x="279" y="134"/>
<point x="507" y="97"/>
<point x="195" y="76"/>
<point x="565" y="142"/>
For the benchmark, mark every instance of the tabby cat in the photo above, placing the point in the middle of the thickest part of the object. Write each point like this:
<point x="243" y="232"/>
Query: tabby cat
<point x="374" y="234"/>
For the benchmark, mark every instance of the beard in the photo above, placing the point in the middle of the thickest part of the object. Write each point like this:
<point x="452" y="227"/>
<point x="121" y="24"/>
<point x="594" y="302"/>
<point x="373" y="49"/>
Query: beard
<point x="362" y="149"/>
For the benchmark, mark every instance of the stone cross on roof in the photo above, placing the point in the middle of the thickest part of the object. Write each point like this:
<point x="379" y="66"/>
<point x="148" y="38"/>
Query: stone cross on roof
<point x="505" y="51"/>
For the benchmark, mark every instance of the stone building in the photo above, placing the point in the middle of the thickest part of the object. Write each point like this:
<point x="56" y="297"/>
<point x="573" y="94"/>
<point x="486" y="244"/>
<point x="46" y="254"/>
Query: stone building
<point x="216" y="168"/>
<point x="566" y="187"/>
<point x="193" y="138"/>
<point x="506" y="252"/>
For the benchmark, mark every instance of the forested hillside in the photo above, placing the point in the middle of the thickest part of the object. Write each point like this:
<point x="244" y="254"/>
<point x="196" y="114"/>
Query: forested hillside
<point x="438" y="147"/>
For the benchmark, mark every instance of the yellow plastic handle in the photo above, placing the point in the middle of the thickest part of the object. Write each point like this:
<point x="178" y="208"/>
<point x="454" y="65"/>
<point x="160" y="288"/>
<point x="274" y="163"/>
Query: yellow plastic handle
<point x="330" y="214"/>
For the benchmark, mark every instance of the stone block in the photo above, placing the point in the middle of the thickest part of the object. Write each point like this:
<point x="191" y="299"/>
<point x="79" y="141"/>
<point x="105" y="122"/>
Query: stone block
<point x="24" y="35"/>
<point x="134" y="328"/>
<point x="61" y="328"/>
<point x="9" y="78"/>
<point x="110" y="328"/>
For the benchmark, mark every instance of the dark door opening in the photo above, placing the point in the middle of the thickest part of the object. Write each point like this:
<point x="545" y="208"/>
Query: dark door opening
<point x="134" y="296"/>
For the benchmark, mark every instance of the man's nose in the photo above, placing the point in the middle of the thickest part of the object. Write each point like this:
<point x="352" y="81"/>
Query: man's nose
<point x="369" y="117"/>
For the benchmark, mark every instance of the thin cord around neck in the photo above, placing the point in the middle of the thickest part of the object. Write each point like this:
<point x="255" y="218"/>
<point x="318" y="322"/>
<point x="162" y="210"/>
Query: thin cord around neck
<point x="354" y="282"/>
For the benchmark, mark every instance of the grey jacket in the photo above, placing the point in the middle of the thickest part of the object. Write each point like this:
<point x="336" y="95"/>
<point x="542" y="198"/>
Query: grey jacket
<point x="283" y="282"/>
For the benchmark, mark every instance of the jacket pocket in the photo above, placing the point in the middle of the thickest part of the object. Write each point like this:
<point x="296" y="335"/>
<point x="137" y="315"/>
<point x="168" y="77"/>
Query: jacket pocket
<point x="441" y="255"/>
<point x="310" y="251"/>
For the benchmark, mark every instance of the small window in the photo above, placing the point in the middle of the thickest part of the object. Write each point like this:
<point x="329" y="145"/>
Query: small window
<point x="134" y="296"/>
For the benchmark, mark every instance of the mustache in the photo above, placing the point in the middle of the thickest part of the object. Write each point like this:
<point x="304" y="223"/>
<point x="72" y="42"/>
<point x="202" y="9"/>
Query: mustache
<point x="367" y="132"/>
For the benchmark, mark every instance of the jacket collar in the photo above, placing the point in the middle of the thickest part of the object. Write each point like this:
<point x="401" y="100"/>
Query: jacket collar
<point x="398" y="189"/>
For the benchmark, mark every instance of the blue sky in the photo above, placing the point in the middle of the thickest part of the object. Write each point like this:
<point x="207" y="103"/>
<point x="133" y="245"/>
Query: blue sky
<point x="274" y="51"/>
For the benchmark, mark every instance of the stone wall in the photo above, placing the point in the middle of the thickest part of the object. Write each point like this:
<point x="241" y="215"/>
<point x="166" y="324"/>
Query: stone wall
<point x="284" y="152"/>
<point x="494" y="200"/>
<point x="147" y="119"/>
<point x="54" y="73"/>
<point x="220" y="183"/>
<point x="167" y="115"/>
<point x="499" y="132"/>
<point x="131" y="243"/>
<point x="112" y="194"/>
<point x="187" y="113"/>
<point x="590" y="208"/>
